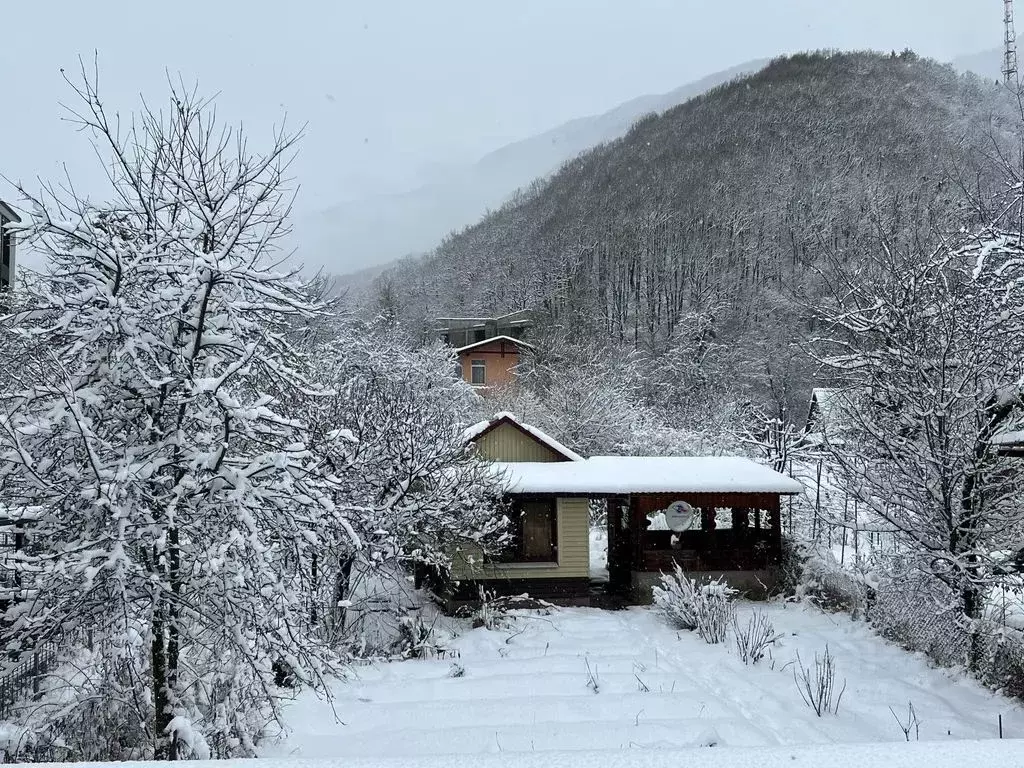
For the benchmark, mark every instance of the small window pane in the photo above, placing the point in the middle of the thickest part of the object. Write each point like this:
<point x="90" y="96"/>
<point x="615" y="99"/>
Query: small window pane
<point x="478" y="372"/>
<point x="537" y="531"/>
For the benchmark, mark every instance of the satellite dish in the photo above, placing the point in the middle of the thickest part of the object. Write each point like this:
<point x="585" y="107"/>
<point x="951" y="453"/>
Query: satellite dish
<point x="681" y="516"/>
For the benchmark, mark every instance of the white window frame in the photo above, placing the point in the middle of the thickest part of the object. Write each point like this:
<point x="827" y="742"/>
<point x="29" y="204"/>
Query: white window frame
<point x="473" y="366"/>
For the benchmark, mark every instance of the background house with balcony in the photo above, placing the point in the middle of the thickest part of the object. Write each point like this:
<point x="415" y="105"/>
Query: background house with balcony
<point x="7" y="262"/>
<point x="488" y="348"/>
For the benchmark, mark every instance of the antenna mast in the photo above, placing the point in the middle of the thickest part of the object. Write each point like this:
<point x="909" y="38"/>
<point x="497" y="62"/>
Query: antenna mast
<point x="1010" y="51"/>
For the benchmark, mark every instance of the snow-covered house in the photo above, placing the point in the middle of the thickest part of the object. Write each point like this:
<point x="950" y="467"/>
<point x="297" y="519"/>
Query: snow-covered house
<point x="490" y="363"/>
<point x="711" y="515"/>
<point x="488" y="348"/>
<point x="7" y="274"/>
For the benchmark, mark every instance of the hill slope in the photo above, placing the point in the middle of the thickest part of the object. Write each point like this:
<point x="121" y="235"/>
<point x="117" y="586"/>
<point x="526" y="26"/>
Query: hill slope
<point x="379" y="229"/>
<point x="718" y="210"/>
<point x="987" y="64"/>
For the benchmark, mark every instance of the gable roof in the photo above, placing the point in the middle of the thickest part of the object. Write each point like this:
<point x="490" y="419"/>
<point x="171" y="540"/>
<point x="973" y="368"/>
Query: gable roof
<point x="478" y="430"/>
<point x="476" y="344"/>
<point x="8" y="213"/>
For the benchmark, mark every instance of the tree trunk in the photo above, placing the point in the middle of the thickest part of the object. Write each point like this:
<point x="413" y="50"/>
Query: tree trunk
<point x="161" y="701"/>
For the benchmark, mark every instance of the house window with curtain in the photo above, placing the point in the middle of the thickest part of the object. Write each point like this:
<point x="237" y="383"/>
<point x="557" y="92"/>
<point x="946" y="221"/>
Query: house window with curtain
<point x="478" y="372"/>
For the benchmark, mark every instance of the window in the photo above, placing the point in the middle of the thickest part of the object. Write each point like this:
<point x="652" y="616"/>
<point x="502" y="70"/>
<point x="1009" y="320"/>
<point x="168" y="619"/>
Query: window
<point x="478" y="372"/>
<point x="479" y="334"/>
<point x="5" y="248"/>
<point x="534" y="532"/>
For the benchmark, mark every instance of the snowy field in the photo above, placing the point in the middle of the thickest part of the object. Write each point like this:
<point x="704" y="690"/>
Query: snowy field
<point x="583" y="680"/>
<point x="1005" y="754"/>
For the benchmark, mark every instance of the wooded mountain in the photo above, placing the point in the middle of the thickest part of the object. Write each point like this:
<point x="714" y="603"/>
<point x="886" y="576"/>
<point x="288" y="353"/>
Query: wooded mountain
<point x="376" y="230"/>
<point x="719" y="213"/>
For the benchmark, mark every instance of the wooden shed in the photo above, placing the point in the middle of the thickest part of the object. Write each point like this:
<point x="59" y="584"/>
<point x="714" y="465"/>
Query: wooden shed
<point x="713" y="515"/>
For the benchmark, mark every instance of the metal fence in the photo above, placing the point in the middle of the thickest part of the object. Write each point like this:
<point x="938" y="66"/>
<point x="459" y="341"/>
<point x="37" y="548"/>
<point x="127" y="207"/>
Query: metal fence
<point x="24" y="679"/>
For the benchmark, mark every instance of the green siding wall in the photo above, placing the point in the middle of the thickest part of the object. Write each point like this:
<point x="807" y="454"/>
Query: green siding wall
<point x="506" y="443"/>
<point x="573" y="552"/>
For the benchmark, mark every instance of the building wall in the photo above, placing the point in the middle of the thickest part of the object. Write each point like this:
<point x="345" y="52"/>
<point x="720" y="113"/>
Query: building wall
<point x="573" y="552"/>
<point x="506" y="443"/>
<point x="501" y="358"/>
<point x="7" y="262"/>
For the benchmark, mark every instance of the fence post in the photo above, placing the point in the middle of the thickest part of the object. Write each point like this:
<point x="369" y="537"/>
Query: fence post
<point x="35" y="672"/>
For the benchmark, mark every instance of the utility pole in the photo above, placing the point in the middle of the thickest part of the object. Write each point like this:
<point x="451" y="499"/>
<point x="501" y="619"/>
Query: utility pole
<point x="1010" y="46"/>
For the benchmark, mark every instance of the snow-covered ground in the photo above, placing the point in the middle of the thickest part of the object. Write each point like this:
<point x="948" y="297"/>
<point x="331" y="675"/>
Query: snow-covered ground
<point x="599" y="553"/>
<point x="1005" y="754"/>
<point x="585" y="679"/>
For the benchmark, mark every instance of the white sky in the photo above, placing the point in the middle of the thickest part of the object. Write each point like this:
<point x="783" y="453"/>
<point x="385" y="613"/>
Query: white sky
<point x="392" y="88"/>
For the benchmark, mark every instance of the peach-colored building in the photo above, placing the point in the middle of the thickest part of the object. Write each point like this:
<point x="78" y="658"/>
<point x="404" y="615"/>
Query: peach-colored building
<point x="491" y="363"/>
<point x="488" y="348"/>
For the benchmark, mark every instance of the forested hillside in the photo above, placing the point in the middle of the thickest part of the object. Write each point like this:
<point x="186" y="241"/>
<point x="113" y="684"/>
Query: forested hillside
<point x="698" y="237"/>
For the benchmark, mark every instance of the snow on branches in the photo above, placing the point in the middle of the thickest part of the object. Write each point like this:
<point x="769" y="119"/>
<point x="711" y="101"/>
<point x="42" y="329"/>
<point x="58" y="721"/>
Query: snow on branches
<point x="929" y="353"/>
<point x="203" y="454"/>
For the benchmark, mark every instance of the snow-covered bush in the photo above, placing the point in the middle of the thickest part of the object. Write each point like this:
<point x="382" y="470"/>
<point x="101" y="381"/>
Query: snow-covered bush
<point x="416" y="638"/>
<point x="817" y="686"/>
<point x="688" y="604"/>
<point x="754" y="638"/>
<point x="829" y="585"/>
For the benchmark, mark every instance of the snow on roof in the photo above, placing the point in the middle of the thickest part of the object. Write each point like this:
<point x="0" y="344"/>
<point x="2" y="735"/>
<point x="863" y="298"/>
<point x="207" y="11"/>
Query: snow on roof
<point x="646" y="474"/>
<point x="473" y="432"/>
<point x="475" y="344"/>
<point x="1008" y="438"/>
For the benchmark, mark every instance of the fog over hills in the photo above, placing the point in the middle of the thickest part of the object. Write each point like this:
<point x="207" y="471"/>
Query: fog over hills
<point x="361" y="235"/>
<point x="984" y="63"/>
<point x="371" y="231"/>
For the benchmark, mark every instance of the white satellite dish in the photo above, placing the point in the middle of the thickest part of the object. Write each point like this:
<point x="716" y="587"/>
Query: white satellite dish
<point x="681" y="516"/>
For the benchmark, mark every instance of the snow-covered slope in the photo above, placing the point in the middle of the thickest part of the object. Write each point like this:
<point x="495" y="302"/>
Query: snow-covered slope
<point x="528" y="692"/>
<point x="1005" y="754"/>
<point x="360" y="233"/>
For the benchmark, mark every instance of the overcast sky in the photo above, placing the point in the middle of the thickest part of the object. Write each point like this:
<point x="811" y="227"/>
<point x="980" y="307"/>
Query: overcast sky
<point x="390" y="89"/>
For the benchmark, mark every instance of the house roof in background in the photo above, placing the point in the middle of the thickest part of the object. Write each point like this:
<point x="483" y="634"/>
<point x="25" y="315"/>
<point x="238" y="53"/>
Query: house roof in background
<point x="8" y="213"/>
<point x="476" y="344"/>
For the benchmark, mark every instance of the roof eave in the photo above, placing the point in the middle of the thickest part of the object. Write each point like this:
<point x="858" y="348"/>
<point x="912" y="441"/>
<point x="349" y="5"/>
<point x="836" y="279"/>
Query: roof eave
<point x="9" y="213"/>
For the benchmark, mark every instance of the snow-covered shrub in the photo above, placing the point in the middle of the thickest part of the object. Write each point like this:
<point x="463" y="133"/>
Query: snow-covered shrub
<point x="416" y="638"/>
<point x="688" y="604"/>
<point x="754" y="638"/>
<point x="791" y="566"/>
<point x="999" y="658"/>
<point x="830" y="586"/>
<point x="491" y="611"/>
<point x="817" y="686"/>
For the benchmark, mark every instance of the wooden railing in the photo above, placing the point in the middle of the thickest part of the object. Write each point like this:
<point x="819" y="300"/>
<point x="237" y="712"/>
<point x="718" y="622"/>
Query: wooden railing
<point x="719" y="550"/>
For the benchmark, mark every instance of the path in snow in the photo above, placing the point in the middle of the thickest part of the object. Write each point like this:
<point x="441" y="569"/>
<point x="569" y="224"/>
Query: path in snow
<point x="526" y="689"/>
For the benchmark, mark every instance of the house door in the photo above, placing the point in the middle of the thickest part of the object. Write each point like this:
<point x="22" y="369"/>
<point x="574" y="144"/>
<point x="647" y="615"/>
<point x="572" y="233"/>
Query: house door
<point x="620" y="544"/>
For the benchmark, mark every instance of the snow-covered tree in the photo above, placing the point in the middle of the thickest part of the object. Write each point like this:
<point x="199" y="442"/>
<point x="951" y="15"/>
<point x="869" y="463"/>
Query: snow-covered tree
<point x="930" y="350"/>
<point x="173" y="509"/>
<point x="391" y="432"/>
